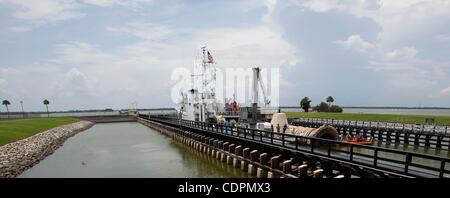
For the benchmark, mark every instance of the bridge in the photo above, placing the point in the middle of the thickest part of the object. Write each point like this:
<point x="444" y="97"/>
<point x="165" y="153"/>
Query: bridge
<point x="332" y="158"/>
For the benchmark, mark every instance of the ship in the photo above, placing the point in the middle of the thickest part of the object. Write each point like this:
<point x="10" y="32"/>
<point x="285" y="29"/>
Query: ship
<point x="200" y="104"/>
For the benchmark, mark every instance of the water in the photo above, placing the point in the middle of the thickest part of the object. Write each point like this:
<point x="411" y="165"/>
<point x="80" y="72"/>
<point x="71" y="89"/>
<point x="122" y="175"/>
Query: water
<point x="128" y="150"/>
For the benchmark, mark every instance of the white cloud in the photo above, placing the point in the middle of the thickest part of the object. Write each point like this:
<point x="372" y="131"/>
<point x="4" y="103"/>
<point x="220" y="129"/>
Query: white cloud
<point x="74" y="83"/>
<point x="20" y="28"/>
<point x="446" y="91"/>
<point x="135" y="71"/>
<point x="407" y="70"/>
<point x="403" y="24"/>
<point x="355" y="42"/>
<point x="397" y="19"/>
<point x="359" y="8"/>
<point x="45" y="11"/>
<point x="105" y="3"/>
<point x="143" y="30"/>
<point x="402" y="53"/>
<point x="80" y="53"/>
<point x="36" y="13"/>
<point x="442" y="37"/>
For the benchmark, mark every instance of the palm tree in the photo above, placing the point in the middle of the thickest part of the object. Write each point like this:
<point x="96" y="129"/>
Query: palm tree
<point x="46" y="103"/>
<point x="305" y="104"/>
<point x="6" y="103"/>
<point x="330" y="100"/>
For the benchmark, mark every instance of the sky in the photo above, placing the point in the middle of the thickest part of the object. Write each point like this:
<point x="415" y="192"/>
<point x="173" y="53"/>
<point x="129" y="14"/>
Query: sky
<point x="96" y="54"/>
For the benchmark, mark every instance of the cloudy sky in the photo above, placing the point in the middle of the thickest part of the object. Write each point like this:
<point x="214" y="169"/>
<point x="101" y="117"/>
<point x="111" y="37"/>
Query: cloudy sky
<point x="83" y="54"/>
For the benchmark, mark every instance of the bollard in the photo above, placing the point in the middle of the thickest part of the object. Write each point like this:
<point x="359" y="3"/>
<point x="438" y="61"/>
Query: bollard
<point x="246" y="155"/>
<point x="274" y="162"/>
<point x="238" y="151"/>
<point x="263" y="159"/>
<point x="231" y="148"/>
<point x="236" y="161"/>
<point x="253" y="155"/>
<point x="272" y="174"/>
<point x="318" y="173"/>
<point x="218" y="153"/>
<point x="229" y="160"/>
<point x="287" y="166"/>
<point x="251" y="169"/>
<point x="303" y="171"/>
<point x="225" y="146"/>
<point x="223" y="157"/>
<point x="244" y="165"/>
<point x="261" y="173"/>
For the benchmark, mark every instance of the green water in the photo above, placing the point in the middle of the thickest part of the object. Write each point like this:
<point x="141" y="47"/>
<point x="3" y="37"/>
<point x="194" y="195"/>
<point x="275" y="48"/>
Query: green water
<point x="128" y="149"/>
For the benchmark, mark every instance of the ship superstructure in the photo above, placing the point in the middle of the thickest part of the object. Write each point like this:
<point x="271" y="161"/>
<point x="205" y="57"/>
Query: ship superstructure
<point x="199" y="102"/>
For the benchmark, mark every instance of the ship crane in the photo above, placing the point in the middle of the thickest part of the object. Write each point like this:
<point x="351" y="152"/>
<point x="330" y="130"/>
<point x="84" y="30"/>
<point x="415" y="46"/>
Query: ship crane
<point x="257" y="80"/>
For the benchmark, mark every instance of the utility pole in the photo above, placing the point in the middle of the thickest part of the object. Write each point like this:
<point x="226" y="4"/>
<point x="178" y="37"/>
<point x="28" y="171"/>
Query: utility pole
<point x="23" y="112"/>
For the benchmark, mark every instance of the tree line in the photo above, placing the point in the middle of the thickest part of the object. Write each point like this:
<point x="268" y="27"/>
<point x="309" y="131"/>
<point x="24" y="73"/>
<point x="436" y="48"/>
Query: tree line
<point x="305" y="104"/>
<point x="7" y="103"/>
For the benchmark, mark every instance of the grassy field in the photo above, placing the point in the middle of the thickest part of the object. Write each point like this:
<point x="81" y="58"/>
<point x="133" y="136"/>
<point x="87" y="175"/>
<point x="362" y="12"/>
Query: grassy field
<point x="13" y="130"/>
<point x="411" y="119"/>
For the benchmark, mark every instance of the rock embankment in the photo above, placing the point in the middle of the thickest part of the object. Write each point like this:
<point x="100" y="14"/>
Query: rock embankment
<point x="18" y="156"/>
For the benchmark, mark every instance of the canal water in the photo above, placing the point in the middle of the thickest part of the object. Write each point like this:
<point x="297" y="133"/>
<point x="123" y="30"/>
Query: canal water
<point x="128" y="149"/>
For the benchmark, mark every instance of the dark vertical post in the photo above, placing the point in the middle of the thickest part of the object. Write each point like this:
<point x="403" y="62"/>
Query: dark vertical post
<point x="407" y="162"/>
<point x="351" y="152"/>
<point x="416" y="139"/>
<point x="303" y="171"/>
<point x="406" y="138"/>
<point x="439" y="141"/>
<point x="427" y="140"/>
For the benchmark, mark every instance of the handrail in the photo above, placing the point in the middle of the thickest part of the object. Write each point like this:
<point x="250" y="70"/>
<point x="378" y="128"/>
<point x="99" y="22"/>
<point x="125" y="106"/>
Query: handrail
<point x="283" y="140"/>
<point x="401" y="136"/>
<point x="435" y="129"/>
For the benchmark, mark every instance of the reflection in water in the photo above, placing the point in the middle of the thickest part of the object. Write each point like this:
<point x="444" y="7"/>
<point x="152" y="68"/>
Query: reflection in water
<point x="206" y="165"/>
<point x="128" y="150"/>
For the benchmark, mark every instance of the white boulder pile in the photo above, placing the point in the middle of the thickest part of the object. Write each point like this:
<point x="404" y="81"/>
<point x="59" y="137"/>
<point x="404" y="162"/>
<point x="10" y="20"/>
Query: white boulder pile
<point x="18" y="156"/>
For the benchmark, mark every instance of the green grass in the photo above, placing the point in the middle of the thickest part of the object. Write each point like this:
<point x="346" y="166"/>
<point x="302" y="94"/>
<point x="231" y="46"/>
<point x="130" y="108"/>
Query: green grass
<point x="410" y="119"/>
<point x="13" y="130"/>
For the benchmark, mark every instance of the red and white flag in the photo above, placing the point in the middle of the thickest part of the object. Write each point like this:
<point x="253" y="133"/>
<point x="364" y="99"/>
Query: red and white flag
<point x="210" y="58"/>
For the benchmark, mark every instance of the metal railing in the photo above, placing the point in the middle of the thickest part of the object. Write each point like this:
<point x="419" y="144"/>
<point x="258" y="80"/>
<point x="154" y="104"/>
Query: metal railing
<point x="395" y="133"/>
<point x="414" y="128"/>
<point x="402" y="163"/>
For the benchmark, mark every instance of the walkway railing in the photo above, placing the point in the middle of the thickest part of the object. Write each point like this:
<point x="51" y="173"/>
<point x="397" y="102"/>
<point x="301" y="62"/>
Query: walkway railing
<point x="391" y="161"/>
<point x="404" y="134"/>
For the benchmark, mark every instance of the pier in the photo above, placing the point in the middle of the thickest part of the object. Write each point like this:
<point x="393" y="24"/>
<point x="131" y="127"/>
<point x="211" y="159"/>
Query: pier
<point x="271" y="154"/>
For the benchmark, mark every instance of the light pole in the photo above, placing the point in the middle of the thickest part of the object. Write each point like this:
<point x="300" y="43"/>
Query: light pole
<point x="23" y="112"/>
